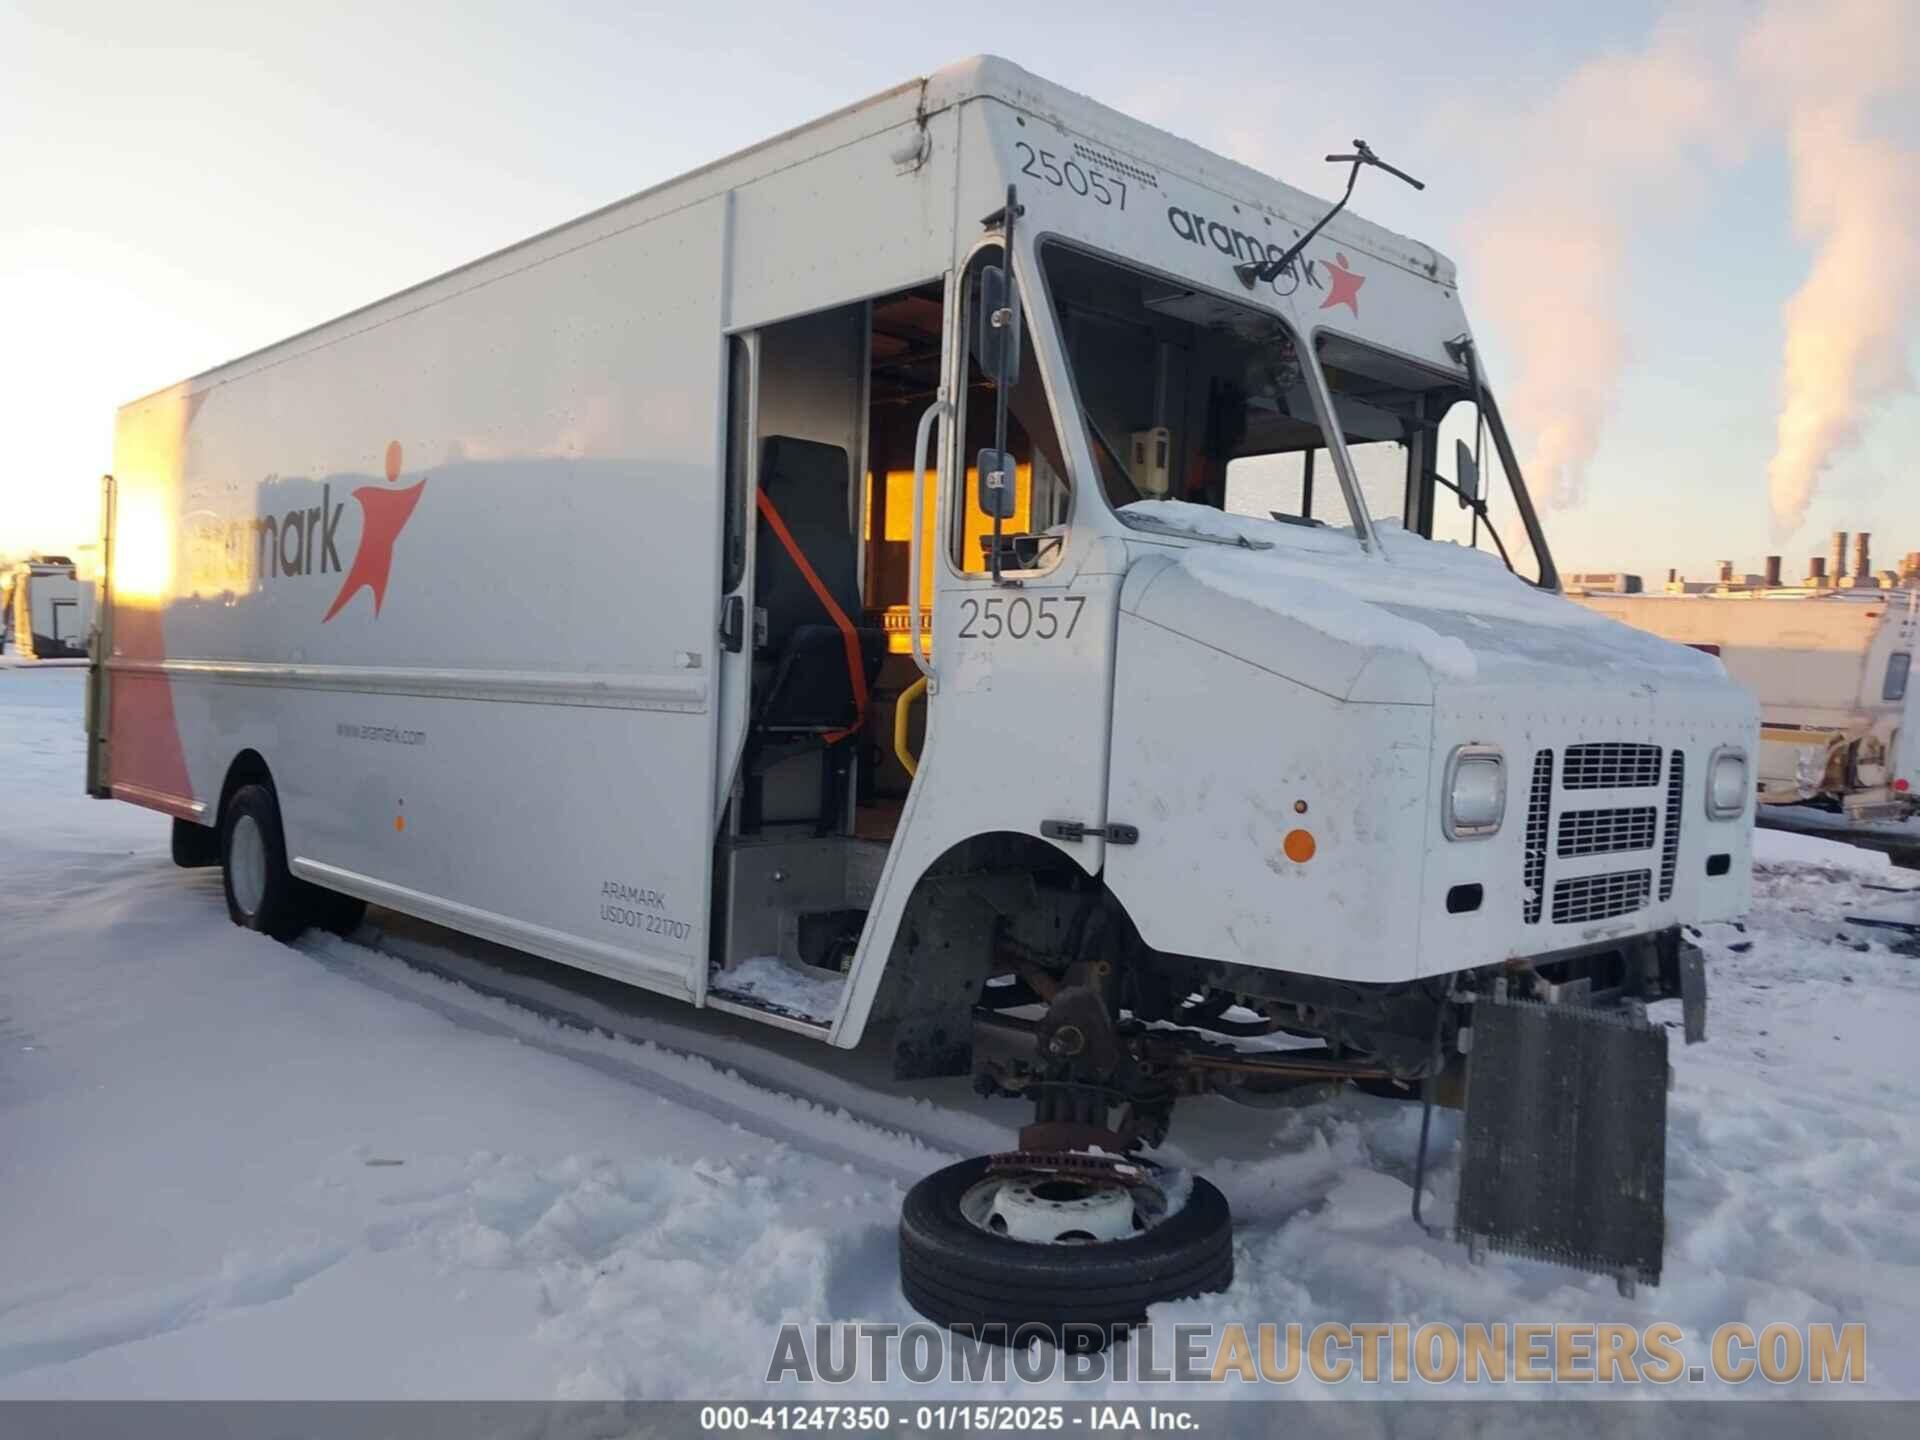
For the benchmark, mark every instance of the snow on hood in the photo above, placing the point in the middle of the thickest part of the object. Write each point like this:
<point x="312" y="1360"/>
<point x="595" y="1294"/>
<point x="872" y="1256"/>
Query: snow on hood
<point x="1460" y="611"/>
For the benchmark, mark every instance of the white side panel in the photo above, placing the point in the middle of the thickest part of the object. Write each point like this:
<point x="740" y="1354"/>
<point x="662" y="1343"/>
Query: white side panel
<point x="849" y="224"/>
<point x="455" y="577"/>
<point x="1219" y="763"/>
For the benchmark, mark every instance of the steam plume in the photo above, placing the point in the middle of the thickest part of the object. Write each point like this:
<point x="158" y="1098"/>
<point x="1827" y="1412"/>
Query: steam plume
<point x="1611" y="146"/>
<point x="1856" y="197"/>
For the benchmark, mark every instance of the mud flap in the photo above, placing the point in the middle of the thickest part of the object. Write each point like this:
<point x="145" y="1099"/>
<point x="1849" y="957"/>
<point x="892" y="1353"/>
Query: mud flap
<point x="1693" y="993"/>
<point x="1564" y="1155"/>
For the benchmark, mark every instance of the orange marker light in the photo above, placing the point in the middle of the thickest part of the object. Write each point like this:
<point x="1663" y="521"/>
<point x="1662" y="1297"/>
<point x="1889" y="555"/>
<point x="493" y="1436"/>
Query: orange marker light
<point x="400" y="823"/>
<point x="1299" y="846"/>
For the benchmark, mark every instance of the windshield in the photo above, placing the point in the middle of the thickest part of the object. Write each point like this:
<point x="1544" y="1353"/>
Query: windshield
<point x="1422" y="435"/>
<point x="1192" y="397"/>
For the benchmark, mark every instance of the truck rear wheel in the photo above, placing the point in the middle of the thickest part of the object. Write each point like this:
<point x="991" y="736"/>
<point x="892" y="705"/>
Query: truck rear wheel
<point x="262" y="893"/>
<point x="1098" y="1254"/>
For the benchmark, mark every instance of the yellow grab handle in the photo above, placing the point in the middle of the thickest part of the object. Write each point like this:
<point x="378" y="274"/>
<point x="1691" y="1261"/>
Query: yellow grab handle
<point x="901" y="709"/>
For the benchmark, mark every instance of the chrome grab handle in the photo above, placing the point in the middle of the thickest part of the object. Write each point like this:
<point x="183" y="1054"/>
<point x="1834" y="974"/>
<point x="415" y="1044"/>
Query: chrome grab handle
<point x="933" y="412"/>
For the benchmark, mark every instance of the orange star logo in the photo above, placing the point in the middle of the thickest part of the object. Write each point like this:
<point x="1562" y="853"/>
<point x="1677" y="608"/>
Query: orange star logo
<point x="1343" y="286"/>
<point x="383" y="514"/>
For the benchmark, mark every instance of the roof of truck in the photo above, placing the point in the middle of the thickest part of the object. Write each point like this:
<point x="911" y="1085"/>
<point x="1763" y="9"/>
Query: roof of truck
<point x="988" y="77"/>
<point x="995" y="78"/>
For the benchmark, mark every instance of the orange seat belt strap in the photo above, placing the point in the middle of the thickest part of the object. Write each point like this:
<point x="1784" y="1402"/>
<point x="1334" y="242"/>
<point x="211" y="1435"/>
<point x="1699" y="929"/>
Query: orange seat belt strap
<point x="856" y="662"/>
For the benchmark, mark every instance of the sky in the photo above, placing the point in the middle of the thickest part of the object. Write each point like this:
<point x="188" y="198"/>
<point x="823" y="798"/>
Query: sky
<point x="1639" y="195"/>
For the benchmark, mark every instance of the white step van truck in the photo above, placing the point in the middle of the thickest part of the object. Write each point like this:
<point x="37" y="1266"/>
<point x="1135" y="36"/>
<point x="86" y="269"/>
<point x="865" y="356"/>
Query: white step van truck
<point x="46" y="609"/>
<point x="980" y="573"/>
<point x="1839" y="724"/>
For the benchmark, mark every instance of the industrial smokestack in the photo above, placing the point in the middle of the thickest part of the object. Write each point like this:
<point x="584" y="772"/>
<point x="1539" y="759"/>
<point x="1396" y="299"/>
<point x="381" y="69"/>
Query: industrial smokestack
<point x="1910" y="566"/>
<point x="1726" y="572"/>
<point x="1862" y="557"/>
<point x="1817" y="572"/>
<point x="1773" y="571"/>
<point x="1839" y="554"/>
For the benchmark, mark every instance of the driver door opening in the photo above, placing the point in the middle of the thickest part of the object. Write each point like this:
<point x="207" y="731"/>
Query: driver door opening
<point x="819" y="530"/>
<point x="840" y="394"/>
<point x="840" y="397"/>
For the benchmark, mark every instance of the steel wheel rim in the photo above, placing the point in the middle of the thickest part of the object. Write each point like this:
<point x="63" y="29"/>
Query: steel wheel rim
<point x="1043" y="1209"/>
<point x="247" y="865"/>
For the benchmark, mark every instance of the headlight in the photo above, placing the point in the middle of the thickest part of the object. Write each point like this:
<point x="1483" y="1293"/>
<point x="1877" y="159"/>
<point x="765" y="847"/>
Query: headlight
<point x="1727" y="784"/>
<point x="1476" y="792"/>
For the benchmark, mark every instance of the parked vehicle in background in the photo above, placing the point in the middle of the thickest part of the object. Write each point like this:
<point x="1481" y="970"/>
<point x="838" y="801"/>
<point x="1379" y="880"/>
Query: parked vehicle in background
<point x="48" y="608"/>
<point x="927" y="575"/>
<point x="1839" y="714"/>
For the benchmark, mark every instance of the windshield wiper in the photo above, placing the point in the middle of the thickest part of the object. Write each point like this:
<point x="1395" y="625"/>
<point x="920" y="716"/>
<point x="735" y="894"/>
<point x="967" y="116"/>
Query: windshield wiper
<point x="1263" y="271"/>
<point x="1144" y="519"/>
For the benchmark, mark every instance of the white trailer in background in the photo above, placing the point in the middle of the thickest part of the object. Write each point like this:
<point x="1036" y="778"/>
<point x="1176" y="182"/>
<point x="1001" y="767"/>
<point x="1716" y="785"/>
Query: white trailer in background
<point x="48" y="609"/>
<point x="754" y="592"/>
<point x="1839" y="718"/>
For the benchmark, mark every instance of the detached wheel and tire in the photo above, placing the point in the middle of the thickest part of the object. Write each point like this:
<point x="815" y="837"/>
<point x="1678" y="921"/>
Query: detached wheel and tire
<point x="1082" y="1257"/>
<point x="262" y="893"/>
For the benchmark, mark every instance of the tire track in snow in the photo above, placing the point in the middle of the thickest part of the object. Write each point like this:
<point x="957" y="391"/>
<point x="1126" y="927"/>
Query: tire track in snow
<point x="144" y="1317"/>
<point x="733" y="1094"/>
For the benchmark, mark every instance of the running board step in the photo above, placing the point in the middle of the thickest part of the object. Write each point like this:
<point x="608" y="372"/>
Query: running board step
<point x="768" y="1014"/>
<point x="800" y="998"/>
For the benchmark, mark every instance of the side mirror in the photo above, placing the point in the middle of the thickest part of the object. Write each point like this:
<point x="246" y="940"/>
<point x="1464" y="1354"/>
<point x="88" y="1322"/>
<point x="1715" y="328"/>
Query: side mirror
<point x="1466" y="474"/>
<point x="996" y="342"/>
<point x="995" y="484"/>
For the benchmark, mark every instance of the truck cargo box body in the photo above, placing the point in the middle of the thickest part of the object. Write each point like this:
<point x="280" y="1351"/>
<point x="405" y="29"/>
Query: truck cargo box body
<point x="451" y="563"/>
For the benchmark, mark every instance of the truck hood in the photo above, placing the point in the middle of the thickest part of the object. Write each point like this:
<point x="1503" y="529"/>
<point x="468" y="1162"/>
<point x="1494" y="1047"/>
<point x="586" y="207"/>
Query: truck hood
<point x="1308" y="605"/>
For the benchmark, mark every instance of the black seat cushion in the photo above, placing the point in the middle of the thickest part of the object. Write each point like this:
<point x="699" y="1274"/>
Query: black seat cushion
<point x="810" y="688"/>
<point x="807" y="483"/>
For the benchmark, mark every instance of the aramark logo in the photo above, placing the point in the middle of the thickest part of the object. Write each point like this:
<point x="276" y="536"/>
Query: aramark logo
<point x="305" y="541"/>
<point x="384" y="513"/>
<point x="1343" y="286"/>
<point x="1240" y="247"/>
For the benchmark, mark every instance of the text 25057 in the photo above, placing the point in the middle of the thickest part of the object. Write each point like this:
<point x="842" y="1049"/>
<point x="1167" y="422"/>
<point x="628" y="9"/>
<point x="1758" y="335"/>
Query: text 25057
<point x="1072" y="175"/>
<point x="1052" y="617"/>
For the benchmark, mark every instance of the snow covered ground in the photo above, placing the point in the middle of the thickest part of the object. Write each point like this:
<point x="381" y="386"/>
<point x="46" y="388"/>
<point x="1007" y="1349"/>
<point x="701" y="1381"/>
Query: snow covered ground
<point x="230" y="1168"/>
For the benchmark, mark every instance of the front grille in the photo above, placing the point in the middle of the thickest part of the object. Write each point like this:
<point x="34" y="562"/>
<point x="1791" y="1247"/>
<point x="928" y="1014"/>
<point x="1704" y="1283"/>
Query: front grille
<point x="1533" y="868"/>
<point x="1670" y="842"/>
<point x="1600" y="897"/>
<point x="1606" y="832"/>
<point x="1610" y="765"/>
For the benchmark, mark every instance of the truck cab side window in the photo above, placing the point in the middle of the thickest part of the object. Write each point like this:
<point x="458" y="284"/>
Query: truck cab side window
<point x="1033" y="537"/>
<point x="1898" y="664"/>
<point x="1501" y="532"/>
